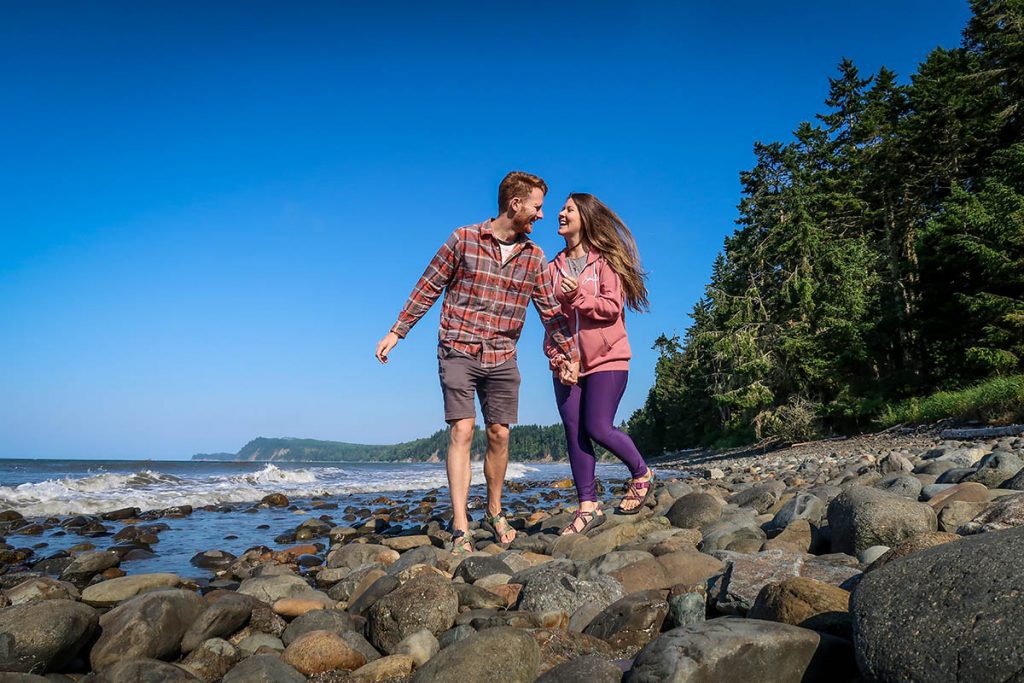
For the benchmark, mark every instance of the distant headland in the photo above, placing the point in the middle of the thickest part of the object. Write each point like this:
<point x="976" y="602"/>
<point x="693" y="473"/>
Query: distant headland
<point x="526" y="443"/>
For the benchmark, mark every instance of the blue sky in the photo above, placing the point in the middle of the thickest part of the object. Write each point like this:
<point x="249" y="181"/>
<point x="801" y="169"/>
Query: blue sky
<point x="211" y="212"/>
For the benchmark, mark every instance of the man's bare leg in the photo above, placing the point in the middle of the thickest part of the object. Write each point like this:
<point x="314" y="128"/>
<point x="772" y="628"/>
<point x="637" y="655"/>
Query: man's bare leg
<point x="495" y="467"/>
<point x="460" y="439"/>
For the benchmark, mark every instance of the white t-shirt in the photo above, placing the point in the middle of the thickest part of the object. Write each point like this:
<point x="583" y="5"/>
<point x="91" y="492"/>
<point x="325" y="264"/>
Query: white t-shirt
<point x="506" y="250"/>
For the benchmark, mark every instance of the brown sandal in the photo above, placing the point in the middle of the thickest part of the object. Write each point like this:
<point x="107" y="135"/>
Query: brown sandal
<point x="640" y="491"/>
<point x="591" y="520"/>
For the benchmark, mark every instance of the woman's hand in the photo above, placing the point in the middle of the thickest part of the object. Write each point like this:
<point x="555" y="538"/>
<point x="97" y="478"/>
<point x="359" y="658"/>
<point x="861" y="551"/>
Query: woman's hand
<point x="569" y="284"/>
<point x="569" y="373"/>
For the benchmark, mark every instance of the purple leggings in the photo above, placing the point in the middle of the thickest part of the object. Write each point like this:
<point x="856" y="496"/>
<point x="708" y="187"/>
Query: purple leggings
<point x="588" y="412"/>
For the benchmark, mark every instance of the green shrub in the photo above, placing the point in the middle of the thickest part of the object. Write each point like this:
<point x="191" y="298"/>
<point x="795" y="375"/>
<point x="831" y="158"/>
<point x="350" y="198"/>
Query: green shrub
<point x="1000" y="399"/>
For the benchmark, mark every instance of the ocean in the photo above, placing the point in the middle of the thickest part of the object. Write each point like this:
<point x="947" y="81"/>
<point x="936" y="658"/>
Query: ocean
<point x="222" y="495"/>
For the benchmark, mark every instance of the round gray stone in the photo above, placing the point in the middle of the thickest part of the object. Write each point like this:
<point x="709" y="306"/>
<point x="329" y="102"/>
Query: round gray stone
<point x="496" y="655"/>
<point x="45" y="636"/>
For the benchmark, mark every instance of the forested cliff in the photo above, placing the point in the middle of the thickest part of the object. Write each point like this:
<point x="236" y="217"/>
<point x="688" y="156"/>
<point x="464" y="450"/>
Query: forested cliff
<point x="879" y="255"/>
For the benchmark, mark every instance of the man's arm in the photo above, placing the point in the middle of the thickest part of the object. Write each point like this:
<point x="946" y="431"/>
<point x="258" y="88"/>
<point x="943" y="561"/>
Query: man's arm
<point x="564" y="349"/>
<point x="435" y="278"/>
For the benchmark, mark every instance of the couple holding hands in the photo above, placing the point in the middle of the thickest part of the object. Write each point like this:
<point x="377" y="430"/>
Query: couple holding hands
<point x="489" y="273"/>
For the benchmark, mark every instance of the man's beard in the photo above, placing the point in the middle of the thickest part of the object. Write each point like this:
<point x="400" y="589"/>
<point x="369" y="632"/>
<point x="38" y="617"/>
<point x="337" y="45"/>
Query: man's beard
<point x="523" y="224"/>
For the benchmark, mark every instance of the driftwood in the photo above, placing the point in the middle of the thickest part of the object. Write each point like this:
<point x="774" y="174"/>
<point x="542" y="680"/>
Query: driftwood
<point x="982" y="432"/>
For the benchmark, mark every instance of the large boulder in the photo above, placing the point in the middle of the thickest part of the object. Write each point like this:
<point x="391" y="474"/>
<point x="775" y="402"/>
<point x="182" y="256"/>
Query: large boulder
<point x="727" y="650"/>
<point x="964" y="603"/>
<point x="44" y="636"/>
<point x="694" y="510"/>
<point x="426" y="602"/>
<point x="559" y="592"/>
<point x="220" y="620"/>
<point x="995" y="468"/>
<point x="151" y="625"/>
<point x="495" y="655"/>
<point x="861" y="517"/>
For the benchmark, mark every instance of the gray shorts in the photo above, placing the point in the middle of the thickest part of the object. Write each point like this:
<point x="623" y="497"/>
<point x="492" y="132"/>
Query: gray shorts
<point x="463" y="376"/>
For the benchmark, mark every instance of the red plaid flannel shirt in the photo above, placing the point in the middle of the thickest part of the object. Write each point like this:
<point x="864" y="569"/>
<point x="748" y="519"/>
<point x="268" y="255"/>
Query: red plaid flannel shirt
<point x="485" y="301"/>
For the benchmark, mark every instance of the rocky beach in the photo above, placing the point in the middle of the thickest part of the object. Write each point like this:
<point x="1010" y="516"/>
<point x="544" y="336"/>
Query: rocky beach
<point x="888" y="557"/>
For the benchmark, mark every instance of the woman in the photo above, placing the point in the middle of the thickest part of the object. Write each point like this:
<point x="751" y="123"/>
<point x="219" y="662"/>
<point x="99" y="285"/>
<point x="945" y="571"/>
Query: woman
<point x="596" y="276"/>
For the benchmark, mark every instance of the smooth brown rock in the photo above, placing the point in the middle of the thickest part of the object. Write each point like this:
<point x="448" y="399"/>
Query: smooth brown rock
<point x="383" y="670"/>
<point x="686" y="539"/>
<point x="966" y="492"/>
<point x="403" y="543"/>
<point x="795" y="538"/>
<point x="805" y="602"/>
<point x="318" y="651"/>
<point x="508" y="592"/>
<point x="955" y="514"/>
<point x="296" y="607"/>
<point x="630" y="622"/>
<point x="643" y="575"/>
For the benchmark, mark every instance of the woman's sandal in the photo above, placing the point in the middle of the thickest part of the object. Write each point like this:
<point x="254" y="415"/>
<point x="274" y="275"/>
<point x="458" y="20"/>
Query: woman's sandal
<point x="591" y="520"/>
<point x="639" y="490"/>
<point x="461" y="546"/>
<point x="498" y="526"/>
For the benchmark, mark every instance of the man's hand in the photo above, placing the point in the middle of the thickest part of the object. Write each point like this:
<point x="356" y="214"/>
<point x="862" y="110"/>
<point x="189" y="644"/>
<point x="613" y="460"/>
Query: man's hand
<point x="385" y="345"/>
<point x="569" y="284"/>
<point x="569" y="374"/>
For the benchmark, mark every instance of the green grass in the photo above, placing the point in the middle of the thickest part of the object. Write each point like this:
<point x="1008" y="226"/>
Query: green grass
<point x="997" y="400"/>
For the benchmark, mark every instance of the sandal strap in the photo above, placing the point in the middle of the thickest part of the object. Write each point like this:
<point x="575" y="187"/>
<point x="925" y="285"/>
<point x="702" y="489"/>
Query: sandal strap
<point x="461" y="544"/>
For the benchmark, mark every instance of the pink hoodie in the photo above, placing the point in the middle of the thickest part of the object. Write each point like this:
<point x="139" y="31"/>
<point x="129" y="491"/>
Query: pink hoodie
<point x="596" y="314"/>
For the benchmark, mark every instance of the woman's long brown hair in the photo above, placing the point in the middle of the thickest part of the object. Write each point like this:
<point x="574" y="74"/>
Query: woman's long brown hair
<point x="602" y="229"/>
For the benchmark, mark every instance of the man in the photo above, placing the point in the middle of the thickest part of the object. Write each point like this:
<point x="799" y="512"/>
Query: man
<point x="488" y="272"/>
